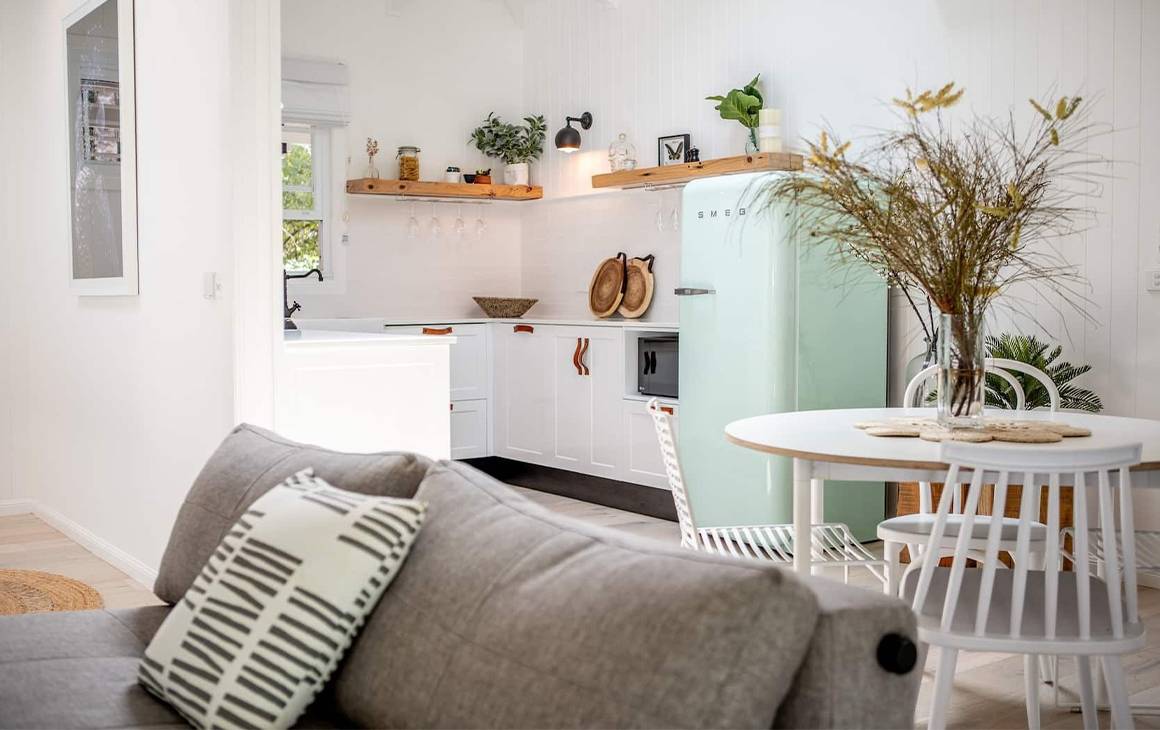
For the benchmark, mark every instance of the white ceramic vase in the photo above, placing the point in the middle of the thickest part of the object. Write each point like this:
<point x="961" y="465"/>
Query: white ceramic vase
<point x="516" y="174"/>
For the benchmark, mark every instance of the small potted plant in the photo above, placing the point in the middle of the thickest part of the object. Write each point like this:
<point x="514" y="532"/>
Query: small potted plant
<point x="742" y="105"/>
<point x="515" y="144"/>
<point x="482" y="176"/>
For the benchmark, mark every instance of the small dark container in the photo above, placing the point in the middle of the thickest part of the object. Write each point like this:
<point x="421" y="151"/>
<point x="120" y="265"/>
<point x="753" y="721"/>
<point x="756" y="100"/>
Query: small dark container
<point x="469" y="177"/>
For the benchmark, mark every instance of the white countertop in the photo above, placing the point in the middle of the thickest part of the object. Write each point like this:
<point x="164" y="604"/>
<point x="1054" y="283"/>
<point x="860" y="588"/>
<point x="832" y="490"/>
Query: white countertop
<point x="415" y="321"/>
<point x="323" y="336"/>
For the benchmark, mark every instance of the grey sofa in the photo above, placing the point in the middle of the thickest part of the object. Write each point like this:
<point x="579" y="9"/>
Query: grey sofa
<point x="504" y="615"/>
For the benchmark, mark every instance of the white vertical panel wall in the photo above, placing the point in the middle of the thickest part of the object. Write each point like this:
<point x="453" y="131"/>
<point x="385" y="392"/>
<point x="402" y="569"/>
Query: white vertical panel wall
<point x="117" y="401"/>
<point x="423" y="74"/>
<point x="644" y="67"/>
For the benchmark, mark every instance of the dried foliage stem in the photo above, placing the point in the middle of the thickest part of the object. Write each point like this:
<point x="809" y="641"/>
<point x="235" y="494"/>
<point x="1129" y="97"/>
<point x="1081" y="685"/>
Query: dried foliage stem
<point x="960" y="212"/>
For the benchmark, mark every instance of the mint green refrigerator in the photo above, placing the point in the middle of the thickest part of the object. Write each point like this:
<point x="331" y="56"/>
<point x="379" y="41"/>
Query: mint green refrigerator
<point x="768" y="326"/>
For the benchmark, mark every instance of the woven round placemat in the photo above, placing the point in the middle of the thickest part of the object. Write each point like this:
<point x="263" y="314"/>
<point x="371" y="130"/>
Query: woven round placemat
<point x="30" y="591"/>
<point x="1008" y="430"/>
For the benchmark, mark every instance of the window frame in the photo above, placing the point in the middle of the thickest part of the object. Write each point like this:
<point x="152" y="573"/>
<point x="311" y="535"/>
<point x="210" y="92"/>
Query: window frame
<point x="320" y="188"/>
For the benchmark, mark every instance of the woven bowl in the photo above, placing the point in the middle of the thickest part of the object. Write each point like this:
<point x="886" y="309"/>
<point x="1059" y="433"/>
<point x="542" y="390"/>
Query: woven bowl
<point x="504" y="307"/>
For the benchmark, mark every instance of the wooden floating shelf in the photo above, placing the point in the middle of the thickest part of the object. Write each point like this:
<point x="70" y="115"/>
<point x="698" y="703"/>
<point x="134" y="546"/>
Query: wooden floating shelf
<point x="679" y="174"/>
<point x="422" y="189"/>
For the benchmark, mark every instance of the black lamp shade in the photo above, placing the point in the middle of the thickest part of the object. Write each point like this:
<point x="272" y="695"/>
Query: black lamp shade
<point x="567" y="139"/>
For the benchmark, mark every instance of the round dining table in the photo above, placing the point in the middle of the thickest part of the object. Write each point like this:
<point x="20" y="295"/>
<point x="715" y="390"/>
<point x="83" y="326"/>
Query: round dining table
<point x="826" y="445"/>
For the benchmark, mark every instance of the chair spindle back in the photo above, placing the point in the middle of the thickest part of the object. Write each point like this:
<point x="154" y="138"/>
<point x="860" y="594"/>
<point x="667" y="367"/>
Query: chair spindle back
<point x="675" y="474"/>
<point x="1032" y="466"/>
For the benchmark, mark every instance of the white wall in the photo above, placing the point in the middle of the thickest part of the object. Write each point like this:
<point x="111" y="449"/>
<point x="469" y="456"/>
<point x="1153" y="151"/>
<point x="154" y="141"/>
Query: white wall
<point x="117" y="401"/>
<point x="425" y="76"/>
<point x="10" y="351"/>
<point x="565" y="240"/>
<point x="644" y="68"/>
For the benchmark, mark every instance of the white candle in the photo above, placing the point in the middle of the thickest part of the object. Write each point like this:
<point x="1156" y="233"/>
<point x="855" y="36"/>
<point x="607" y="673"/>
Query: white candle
<point x="769" y="130"/>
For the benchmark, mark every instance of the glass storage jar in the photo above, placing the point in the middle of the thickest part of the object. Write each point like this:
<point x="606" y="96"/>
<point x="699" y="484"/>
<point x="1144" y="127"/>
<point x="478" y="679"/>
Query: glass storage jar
<point x="408" y="158"/>
<point x="622" y="154"/>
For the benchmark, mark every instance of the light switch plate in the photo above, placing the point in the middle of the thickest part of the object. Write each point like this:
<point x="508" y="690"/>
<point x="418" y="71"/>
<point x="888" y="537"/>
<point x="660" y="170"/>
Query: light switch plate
<point x="1152" y="280"/>
<point x="210" y="285"/>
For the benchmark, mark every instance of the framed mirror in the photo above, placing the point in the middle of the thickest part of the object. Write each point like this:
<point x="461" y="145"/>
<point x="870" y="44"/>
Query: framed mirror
<point x="102" y="161"/>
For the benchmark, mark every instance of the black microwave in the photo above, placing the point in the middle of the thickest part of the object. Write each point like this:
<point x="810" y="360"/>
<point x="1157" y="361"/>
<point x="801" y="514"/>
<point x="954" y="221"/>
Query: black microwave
<point x="656" y="371"/>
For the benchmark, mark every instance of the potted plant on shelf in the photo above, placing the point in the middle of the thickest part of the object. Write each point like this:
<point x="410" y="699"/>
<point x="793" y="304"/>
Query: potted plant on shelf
<point x="482" y="176"/>
<point x="743" y="105"/>
<point x="515" y="144"/>
<point x="956" y="211"/>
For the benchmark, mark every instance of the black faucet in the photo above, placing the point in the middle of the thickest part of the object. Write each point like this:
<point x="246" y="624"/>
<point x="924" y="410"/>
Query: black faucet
<point x="288" y="310"/>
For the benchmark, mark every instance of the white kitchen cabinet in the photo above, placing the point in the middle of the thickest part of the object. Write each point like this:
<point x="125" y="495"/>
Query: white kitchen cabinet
<point x="469" y="428"/>
<point x="365" y="392"/>
<point x="587" y="408"/>
<point x="643" y="461"/>
<point x="557" y="396"/>
<point x="469" y="360"/>
<point x="523" y="387"/>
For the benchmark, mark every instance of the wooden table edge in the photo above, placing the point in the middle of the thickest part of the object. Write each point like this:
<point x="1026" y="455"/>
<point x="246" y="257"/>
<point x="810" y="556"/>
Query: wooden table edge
<point x="871" y="461"/>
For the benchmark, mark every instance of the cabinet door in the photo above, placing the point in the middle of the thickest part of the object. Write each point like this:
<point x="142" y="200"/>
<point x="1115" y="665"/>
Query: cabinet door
<point x="524" y="397"/>
<point x="573" y="414"/>
<point x="602" y="362"/>
<point x="468" y="429"/>
<point x="643" y="462"/>
<point x="469" y="362"/>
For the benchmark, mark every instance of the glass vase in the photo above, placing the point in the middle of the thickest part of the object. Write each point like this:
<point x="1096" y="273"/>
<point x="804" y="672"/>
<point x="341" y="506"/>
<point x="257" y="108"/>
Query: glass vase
<point x="751" y="145"/>
<point x="961" y="374"/>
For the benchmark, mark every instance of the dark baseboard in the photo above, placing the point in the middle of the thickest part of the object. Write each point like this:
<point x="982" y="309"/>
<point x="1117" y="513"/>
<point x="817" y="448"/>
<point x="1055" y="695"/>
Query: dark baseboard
<point x="597" y="490"/>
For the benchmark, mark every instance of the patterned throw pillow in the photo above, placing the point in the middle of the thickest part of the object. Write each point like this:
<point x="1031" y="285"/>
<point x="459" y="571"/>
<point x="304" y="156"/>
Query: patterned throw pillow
<point x="279" y="602"/>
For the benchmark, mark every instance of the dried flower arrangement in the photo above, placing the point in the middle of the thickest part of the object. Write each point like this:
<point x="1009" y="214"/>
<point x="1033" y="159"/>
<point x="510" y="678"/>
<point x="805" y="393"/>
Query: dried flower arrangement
<point x="960" y="214"/>
<point x="372" y="150"/>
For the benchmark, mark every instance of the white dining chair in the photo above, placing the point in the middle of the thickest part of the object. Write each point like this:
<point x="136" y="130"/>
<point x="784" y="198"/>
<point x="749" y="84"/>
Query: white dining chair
<point x="912" y="530"/>
<point x="1026" y="611"/>
<point x="832" y="543"/>
<point x="1147" y="556"/>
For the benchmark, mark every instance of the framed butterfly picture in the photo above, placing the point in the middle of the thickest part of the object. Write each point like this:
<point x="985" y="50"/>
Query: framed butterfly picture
<point x="671" y="150"/>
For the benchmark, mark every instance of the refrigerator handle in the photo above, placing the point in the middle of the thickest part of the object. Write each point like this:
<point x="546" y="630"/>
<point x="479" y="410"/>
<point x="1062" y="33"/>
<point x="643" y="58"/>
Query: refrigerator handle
<point x="684" y="291"/>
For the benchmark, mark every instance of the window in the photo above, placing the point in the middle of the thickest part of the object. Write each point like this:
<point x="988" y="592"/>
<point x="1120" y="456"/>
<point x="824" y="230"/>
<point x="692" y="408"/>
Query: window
<point x="304" y="198"/>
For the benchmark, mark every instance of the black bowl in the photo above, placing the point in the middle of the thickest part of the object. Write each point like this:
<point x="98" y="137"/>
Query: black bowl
<point x="469" y="177"/>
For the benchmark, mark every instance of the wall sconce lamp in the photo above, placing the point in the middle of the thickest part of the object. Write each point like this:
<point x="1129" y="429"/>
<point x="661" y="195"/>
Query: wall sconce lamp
<point x="568" y="139"/>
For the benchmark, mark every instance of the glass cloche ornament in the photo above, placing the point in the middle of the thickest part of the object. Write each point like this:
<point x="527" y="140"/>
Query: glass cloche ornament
<point x="622" y="154"/>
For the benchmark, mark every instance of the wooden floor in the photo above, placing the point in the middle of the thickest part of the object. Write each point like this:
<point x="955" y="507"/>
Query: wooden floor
<point x="988" y="687"/>
<point x="29" y="543"/>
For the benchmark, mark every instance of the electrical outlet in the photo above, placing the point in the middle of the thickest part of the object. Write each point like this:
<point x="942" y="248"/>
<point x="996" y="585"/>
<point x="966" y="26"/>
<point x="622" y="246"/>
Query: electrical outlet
<point x="1152" y="280"/>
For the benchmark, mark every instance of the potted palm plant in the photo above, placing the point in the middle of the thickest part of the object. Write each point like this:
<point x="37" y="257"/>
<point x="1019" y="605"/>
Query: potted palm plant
<point x="1039" y="354"/>
<point x="515" y="144"/>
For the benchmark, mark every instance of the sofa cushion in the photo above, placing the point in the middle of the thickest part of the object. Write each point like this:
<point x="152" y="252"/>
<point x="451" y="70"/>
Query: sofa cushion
<point x="264" y="625"/>
<point x="78" y="669"/>
<point x="509" y="616"/>
<point x="249" y="463"/>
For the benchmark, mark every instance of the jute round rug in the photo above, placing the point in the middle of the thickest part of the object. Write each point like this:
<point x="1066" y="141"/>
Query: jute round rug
<point x="30" y="591"/>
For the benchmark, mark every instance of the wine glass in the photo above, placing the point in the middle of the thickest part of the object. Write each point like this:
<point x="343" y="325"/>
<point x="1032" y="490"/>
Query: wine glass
<point x="459" y="224"/>
<point x="479" y="226"/>
<point x="659" y="218"/>
<point x="675" y="219"/>
<point x="434" y="225"/>
<point x="412" y="224"/>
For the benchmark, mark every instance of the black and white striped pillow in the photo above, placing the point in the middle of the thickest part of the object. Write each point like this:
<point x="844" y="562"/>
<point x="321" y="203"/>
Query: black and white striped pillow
<point x="278" y="604"/>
